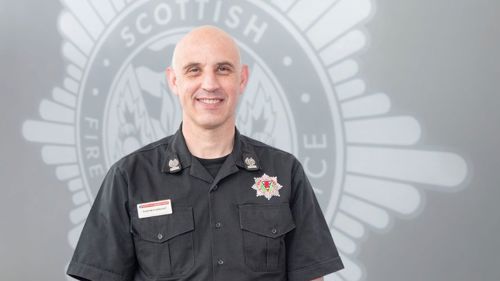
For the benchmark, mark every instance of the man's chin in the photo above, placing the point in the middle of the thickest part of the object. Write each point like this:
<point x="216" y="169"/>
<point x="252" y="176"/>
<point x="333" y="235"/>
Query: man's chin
<point x="214" y="124"/>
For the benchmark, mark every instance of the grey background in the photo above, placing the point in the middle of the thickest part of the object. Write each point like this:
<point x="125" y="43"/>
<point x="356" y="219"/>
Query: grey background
<point x="438" y="61"/>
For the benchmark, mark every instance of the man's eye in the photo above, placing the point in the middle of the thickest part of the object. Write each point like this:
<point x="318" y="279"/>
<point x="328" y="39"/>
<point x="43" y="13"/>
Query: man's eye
<point x="193" y="71"/>
<point x="223" y="69"/>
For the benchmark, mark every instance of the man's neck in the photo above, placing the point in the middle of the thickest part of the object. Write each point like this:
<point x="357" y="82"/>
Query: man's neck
<point x="209" y="143"/>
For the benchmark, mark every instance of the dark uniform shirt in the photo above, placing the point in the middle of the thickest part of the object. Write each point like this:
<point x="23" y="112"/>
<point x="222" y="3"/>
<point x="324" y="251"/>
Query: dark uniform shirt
<point x="219" y="229"/>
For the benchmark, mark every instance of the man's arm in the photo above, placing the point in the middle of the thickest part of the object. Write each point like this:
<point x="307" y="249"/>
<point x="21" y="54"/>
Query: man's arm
<point x="311" y="252"/>
<point x="105" y="250"/>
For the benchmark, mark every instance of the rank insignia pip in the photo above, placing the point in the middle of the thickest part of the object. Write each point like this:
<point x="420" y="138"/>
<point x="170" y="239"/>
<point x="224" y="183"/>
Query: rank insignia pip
<point x="267" y="186"/>
<point x="173" y="164"/>
<point x="250" y="163"/>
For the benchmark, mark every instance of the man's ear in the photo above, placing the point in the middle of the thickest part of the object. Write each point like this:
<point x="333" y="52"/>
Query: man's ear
<point x="244" y="78"/>
<point x="172" y="79"/>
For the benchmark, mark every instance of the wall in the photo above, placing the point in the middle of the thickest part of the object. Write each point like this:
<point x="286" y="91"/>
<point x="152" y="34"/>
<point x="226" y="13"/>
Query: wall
<point x="392" y="108"/>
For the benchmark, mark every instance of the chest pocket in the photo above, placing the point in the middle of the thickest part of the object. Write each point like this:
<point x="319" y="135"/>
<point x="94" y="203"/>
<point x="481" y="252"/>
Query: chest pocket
<point x="164" y="244"/>
<point x="264" y="228"/>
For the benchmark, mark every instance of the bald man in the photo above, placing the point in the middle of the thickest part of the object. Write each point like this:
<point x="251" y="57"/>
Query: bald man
<point x="206" y="203"/>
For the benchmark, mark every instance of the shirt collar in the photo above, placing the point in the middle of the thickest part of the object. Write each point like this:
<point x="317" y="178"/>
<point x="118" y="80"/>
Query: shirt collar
<point x="178" y="156"/>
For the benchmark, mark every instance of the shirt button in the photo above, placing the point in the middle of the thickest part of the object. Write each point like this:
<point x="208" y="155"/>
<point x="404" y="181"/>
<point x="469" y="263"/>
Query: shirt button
<point x="274" y="231"/>
<point x="220" y="262"/>
<point x="159" y="236"/>
<point x="218" y="225"/>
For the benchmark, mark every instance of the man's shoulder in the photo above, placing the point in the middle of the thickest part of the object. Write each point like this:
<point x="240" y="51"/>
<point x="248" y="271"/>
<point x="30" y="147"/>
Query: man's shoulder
<point x="262" y="148"/>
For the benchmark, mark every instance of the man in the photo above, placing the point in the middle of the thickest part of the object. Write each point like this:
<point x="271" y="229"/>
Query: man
<point x="206" y="203"/>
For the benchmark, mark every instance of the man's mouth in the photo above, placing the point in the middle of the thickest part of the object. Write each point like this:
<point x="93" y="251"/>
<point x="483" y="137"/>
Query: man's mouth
<point x="209" y="100"/>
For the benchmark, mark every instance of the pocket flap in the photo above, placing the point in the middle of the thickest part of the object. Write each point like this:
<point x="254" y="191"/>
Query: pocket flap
<point x="266" y="220"/>
<point x="163" y="228"/>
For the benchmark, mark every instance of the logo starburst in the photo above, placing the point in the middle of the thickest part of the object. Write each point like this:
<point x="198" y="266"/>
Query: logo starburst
<point x="267" y="186"/>
<point x="364" y="162"/>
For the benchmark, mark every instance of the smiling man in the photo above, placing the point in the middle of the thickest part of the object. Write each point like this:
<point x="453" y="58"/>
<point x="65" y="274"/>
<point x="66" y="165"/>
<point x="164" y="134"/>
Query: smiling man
<point x="208" y="77"/>
<point x="206" y="203"/>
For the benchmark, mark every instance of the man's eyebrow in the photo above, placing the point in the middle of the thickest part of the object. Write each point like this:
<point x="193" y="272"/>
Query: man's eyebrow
<point x="190" y="65"/>
<point x="225" y="63"/>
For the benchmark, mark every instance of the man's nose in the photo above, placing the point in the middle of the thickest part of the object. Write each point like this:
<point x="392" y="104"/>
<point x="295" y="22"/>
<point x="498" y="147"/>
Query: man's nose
<point x="210" y="82"/>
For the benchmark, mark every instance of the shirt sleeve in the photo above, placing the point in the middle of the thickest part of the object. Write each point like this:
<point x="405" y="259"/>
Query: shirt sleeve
<point x="105" y="250"/>
<point x="311" y="252"/>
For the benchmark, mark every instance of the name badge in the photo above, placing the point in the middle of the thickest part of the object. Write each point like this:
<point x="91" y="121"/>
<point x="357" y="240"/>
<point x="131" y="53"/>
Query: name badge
<point x="153" y="209"/>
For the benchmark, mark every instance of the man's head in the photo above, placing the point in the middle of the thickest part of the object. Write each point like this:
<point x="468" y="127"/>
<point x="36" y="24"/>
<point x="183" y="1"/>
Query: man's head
<point x="207" y="75"/>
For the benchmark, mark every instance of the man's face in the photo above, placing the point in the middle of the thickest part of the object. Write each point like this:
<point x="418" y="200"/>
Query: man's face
<point x="208" y="78"/>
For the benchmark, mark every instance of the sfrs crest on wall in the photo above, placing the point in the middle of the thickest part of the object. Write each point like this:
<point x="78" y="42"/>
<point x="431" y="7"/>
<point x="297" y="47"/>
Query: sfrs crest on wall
<point x="305" y="96"/>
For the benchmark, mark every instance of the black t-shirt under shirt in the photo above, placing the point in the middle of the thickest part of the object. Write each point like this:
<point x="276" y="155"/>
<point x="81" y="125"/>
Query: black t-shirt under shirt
<point x="212" y="165"/>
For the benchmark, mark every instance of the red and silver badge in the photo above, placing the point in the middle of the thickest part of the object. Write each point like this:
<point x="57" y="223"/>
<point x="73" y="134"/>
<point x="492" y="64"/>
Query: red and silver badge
<point x="267" y="186"/>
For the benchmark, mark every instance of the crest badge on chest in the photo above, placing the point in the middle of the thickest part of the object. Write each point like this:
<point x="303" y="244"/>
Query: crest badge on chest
<point x="267" y="186"/>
